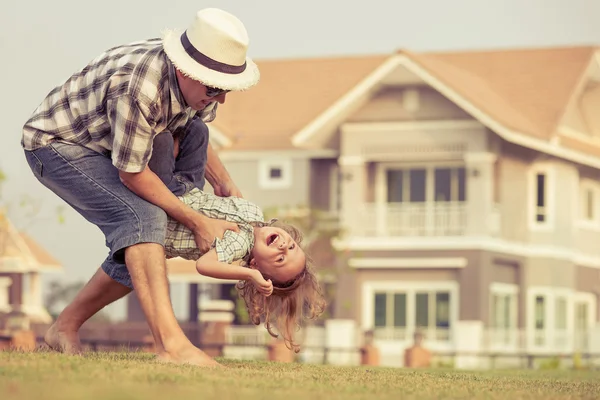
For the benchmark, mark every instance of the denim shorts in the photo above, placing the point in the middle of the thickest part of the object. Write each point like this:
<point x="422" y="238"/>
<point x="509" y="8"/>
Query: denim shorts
<point x="88" y="182"/>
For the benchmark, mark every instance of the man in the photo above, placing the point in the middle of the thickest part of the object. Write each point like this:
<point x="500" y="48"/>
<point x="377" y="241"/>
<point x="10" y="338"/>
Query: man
<point x="90" y="142"/>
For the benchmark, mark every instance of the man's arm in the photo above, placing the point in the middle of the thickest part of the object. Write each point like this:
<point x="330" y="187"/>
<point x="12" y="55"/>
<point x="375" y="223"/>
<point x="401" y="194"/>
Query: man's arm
<point x="218" y="177"/>
<point x="149" y="187"/>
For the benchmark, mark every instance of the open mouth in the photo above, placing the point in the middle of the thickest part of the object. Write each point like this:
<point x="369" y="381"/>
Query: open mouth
<point x="272" y="239"/>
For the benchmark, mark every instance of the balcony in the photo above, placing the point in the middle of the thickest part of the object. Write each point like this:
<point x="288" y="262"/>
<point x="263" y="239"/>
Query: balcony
<point x="412" y="219"/>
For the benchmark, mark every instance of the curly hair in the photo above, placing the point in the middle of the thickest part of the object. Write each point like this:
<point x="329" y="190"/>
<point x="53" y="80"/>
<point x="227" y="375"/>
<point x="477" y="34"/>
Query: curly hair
<point x="290" y="303"/>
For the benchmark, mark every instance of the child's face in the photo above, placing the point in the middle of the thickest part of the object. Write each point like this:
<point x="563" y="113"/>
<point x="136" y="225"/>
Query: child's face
<point x="276" y="254"/>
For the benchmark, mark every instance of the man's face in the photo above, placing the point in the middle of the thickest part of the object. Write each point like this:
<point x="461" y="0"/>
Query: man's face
<point x="194" y="92"/>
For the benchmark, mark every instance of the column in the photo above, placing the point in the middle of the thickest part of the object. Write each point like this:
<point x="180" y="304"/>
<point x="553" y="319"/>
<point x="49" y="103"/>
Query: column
<point x="35" y="291"/>
<point x="481" y="217"/>
<point x="352" y="180"/>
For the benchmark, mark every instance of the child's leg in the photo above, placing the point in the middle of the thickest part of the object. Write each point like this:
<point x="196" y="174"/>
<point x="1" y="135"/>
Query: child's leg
<point x="193" y="146"/>
<point x="187" y="170"/>
<point x="162" y="162"/>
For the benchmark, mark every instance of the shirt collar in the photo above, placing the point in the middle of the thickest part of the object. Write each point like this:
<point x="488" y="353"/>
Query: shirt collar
<point x="177" y="99"/>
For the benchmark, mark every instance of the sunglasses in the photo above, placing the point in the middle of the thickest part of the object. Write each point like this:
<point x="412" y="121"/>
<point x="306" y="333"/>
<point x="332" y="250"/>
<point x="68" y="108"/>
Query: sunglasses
<point x="214" y="92"/>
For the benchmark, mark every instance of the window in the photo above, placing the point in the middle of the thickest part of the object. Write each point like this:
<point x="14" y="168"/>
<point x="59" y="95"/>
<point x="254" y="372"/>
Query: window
<point x="275" y="174"/>
<point x="504" y="314"/>
<point x="560" y="320"/>
<point x="541" y="203"/>
<point x="584" y="316"/>
<point x="550" y="318"/>
<point x="412" y="185"/>
<point x="395" y="312"/>
<point x="589" y="196"/>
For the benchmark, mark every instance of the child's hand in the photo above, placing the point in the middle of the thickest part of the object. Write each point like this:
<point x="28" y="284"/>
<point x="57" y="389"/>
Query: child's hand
<point x="265" y="287"/>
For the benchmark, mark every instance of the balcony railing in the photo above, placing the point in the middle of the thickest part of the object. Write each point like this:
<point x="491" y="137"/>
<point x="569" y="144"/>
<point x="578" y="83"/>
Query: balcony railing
<point x="414" y="219"/>
<point x="420" y="219"/>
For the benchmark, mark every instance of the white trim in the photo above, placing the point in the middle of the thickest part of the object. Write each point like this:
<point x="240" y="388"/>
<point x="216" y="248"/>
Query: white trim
<point x="550" y="295"/>
<point x="14" y="265"/>
<point x="576" y="95"/>
<point x="582" y="222"/>
<point x="467" y="243"/>
<point x="504" y="288"/>
<point x="552" y="148"/>
<point x="264" y="168"/>
<point x="334" y="188"/>
<point x="440" y="262"/>
<point x="549" y="196"/>
<point x="347" y="101"/>
<point x="370" y="287"/>
<point x="575" y="134"/>
<point x="351" y="161"/>
<point x="219" y="137"/>
<point x="253" y="155"/>
<point x="591" y="300"/>
<point x="386" y="127"/>
<point x="480" y="157"/>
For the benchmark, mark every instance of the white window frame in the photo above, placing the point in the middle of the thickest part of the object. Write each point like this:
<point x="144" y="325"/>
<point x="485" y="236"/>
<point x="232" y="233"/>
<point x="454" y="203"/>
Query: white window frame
<point x="582" y="343"/>
<point x="504" y="338"/>
<point x="591" y="300"/>
<point x="550" y="295"/>
<point x="585" y="186"/>
<point x="381" y="190"/>
<point x="264" y="173"/>
<point x="506" y="289"/>
<point x="369" y="289"/>
<point x="5" y="284"/>
<point x="549" y="171"/>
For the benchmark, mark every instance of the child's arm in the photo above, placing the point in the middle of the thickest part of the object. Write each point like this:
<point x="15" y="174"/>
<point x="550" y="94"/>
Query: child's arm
<point x="209" y="265"/>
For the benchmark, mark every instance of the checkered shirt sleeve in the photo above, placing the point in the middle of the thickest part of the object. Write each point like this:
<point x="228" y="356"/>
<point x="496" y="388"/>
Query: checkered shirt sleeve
<point x="233" y="246"/>
<point x="115" y="105"/>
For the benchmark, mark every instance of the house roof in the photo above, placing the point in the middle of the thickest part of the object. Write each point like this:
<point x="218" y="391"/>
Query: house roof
<point x="525" y="90"/>
<point x="290" y="94"/>
<point x="19" y="246"/>
<point x="44" y="258"/>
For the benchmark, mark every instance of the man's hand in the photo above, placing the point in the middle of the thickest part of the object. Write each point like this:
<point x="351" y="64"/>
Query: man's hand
<point x="208" y="229"/>
<point x="265" y="287"/>
<point x="227" y="189"/>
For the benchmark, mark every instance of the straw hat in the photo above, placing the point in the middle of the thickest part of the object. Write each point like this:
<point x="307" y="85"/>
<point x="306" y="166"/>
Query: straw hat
<point x="213" y="51"/>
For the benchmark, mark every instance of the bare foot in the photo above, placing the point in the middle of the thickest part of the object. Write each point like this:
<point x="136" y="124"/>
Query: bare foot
<point x="63" y="341"/>
<point x="188" y="355"/>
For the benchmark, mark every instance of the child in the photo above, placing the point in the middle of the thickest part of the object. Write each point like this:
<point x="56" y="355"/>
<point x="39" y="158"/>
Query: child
<point x="275" y="276"/>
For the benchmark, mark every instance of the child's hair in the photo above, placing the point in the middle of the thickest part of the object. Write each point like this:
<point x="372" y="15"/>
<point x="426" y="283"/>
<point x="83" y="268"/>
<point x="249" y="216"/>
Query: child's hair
<point x="290" y="303"/>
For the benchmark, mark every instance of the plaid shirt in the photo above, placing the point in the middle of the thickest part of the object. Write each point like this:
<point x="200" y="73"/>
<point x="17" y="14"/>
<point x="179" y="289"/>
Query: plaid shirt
<point x="116" y="105"/>
<point x="234" y="245"/>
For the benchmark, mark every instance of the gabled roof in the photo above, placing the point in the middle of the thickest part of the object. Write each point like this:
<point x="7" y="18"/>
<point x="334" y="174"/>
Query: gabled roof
<point x="524" y="91"/>
<point x="20" y="247"/>
<point x="290" y="94"/>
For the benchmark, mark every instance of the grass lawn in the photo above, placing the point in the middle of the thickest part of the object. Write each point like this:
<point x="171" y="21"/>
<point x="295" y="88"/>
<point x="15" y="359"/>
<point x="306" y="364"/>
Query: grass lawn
<point x="47" y="376"/>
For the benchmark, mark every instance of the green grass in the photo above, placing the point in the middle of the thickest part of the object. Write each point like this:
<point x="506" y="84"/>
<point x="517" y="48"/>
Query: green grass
<point x="48" y="376"/>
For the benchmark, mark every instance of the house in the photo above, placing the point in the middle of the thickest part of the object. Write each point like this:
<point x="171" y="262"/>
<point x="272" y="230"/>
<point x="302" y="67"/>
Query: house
<point x="22" y="261"/>
<point x="466" y="185"/>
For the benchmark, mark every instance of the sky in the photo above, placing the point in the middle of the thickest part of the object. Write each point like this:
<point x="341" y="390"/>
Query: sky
<point x="43" y="42"/>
